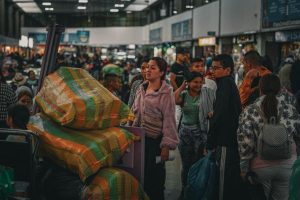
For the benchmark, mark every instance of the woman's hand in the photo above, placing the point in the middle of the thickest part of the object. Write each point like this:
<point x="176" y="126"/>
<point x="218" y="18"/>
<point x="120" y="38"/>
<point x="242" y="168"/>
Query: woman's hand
<point x="183" y="85"/>
<point x="164" y="154"/>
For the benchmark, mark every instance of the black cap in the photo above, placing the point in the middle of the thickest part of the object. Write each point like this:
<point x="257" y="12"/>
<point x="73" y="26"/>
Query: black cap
<point x="180" y="50"/>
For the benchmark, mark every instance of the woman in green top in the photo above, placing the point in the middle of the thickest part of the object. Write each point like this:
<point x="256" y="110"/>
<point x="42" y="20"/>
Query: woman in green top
<point x="191" y="135"/>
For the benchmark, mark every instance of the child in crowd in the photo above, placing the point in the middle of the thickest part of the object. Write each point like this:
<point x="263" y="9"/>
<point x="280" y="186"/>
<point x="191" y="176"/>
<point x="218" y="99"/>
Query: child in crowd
<point x="17" y="118"/>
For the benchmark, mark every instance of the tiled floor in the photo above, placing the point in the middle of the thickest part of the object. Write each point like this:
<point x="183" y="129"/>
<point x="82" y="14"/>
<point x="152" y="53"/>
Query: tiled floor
<point x="173" y="180"/>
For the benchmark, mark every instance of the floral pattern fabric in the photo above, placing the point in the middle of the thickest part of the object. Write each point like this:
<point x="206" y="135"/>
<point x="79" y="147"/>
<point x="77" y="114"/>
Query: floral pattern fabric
<point x="251" y="122"/>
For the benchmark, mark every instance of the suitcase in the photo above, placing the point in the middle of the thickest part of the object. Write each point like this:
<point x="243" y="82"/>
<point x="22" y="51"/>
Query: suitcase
<point x="19" y="151"/>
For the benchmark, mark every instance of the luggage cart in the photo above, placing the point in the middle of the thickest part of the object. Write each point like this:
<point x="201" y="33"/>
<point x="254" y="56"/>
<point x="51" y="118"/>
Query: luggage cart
<point x="20" y="155"/>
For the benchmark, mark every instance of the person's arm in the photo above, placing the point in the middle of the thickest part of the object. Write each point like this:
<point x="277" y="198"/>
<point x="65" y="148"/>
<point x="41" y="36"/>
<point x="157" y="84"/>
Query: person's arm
<point x="221" y="104"/>
<point x="246" y="138"/>
<point x="245" y="87"/>
<point x="11" y="96"/>
<point x="173" y="81"/>
<point x="178" y="97"/>
<point x="169" y="129"/>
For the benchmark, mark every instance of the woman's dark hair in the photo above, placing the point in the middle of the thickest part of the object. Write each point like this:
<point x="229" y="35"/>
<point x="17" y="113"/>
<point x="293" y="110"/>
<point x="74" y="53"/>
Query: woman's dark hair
<point x="295" y="77"/>
<point x="19" y="114"/>
<point x="162" y="65"/>
<point x="269" y="85"/>
<point x="226" y="61"/>
<point x="193" y="75"/>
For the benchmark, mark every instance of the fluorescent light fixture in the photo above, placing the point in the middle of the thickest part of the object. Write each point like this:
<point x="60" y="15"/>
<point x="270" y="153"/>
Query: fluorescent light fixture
<point x="81" y="7"/>
<point x="114" y="10"/>
<point x="49" y="9"/>
<point x="22" y="0"/>
<point x="29" y="7"/>
<point x="131" y="56"/>
<point x="83" y="1"/>
<point x="119" y="5"/>
<point x="189" y="6"/>
<point x="175" y="12"/>
<point x="46" y="3"/>
<point x="128" y="12"/>
<point x="136" y="7"/>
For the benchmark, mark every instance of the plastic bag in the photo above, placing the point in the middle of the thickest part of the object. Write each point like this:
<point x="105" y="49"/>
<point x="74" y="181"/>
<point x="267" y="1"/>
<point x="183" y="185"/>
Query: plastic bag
<point x="114" y="184"/>
<point x="73" y="98"/>
<point x="6" y="182"/>
<point x="82" y="152"/>
<point x="203" y="179"/>
<point x="295" y="182"/>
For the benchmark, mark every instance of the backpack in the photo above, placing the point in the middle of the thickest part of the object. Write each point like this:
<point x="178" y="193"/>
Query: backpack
<point x="273" y="141"/>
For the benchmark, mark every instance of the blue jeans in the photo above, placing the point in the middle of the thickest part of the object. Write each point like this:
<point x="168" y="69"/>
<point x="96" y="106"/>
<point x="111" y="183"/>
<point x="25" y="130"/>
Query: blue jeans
<point x="191" y="145"/>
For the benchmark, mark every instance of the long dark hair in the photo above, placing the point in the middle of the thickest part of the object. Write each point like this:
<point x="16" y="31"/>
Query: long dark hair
<point x="270" y="86"/>
<point x="162" y="65"/>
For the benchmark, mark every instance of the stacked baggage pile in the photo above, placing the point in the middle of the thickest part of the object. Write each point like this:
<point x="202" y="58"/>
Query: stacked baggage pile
<point x="78" y="131"/>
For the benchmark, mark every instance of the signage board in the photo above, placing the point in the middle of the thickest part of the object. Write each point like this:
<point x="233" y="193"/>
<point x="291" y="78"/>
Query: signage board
<point x="208" y="41"/>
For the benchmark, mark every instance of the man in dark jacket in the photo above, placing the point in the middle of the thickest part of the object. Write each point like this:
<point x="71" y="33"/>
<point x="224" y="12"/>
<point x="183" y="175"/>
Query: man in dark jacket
<point x="223" y="127"/>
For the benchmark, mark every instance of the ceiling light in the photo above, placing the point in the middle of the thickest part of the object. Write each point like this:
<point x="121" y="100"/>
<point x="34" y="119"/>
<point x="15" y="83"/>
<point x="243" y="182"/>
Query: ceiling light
<point x="22" y="0"/>
<point x="175" y="12"/>
<point x="189" y="6"/>
<point x="46" y="3"/>
<point x="114" y="10"/>
<point x="119" y="5"/>
<point x="82" y="1"/>
<point x="136" y="7"/>
<point x="206" y="1"/>
<point x="128" y="12"/>
<point x="81" y="7"/>
<point x="29" y="7"/>
<point x="49" y="9"/>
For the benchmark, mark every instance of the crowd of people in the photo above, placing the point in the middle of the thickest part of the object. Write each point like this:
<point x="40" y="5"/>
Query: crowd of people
<point x="199" y="108"/>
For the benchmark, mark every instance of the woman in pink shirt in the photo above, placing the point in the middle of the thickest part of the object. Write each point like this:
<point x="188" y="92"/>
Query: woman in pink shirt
<point x="154" y="110"/>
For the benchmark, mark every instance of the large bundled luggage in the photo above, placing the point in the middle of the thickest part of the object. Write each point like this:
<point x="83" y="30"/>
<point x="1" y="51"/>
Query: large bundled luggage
<point x="73" y="98"/>
<point x="82" y="152"/>
<point x="114" y="184"/>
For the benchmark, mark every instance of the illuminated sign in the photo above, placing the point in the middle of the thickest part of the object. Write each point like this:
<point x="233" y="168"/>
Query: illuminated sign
<point x="208" y="41"/>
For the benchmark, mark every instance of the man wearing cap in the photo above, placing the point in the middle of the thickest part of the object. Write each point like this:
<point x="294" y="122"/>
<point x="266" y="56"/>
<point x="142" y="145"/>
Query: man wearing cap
<point x="179" y="70"/>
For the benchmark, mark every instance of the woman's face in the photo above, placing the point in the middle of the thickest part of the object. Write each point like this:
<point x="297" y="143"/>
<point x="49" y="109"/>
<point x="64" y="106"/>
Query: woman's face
<point x="153" y="72"/>
<point x="31" y="75"/>
<point x="144" y="69"/>
<point x="26" y="101"/>
<point x="196" y="84"/>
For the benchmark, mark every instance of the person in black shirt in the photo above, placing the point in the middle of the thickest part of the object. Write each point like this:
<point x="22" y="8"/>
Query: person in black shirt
<point x="222" y="135"/>
<point x="179" y="69"/>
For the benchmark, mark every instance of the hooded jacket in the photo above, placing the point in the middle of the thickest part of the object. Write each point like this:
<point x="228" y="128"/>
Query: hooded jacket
<point x="156" y="112"/>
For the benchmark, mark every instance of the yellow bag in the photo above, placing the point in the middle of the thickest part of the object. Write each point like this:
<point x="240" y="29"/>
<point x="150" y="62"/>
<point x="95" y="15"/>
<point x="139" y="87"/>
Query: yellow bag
<point x="73" y="98"/>
<point x="82" y="152"/>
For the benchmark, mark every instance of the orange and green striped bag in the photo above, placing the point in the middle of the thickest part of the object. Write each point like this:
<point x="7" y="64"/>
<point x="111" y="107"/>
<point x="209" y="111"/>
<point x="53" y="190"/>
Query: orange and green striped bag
<point x="82" y="152"/>
<point x="114" y="184"/>
<point x="73" y="98"/>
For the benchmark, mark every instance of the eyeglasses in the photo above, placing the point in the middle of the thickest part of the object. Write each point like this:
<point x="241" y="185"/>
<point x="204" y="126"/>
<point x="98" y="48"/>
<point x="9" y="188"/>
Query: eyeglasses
<point x="214" y="68"/>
